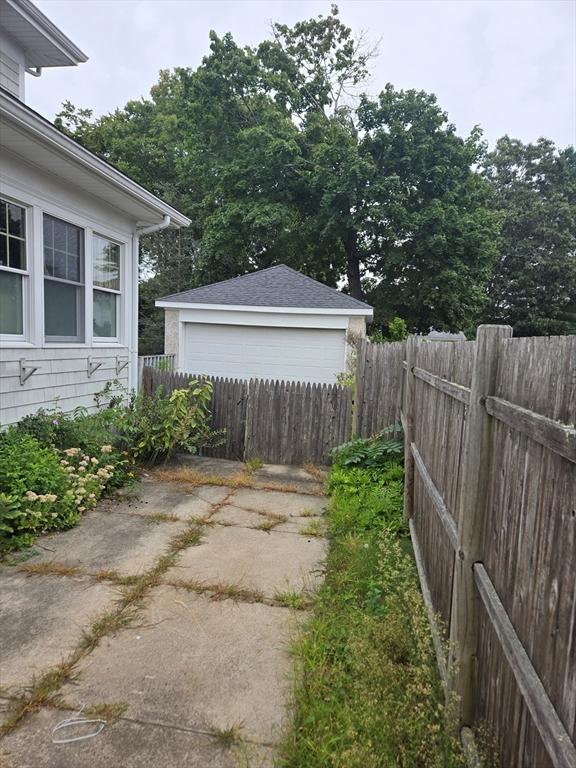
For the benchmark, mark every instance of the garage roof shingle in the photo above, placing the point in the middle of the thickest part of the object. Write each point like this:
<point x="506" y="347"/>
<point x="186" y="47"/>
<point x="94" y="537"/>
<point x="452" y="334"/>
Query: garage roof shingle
<point x="278" y="286"/>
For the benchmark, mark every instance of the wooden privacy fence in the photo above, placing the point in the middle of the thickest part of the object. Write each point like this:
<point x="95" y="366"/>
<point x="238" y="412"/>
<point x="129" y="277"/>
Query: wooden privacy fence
<point x="275" y="421"/>
<point x="490" y="497"/>
<point x="161" y="362"/>
<point x="378" y="386"/>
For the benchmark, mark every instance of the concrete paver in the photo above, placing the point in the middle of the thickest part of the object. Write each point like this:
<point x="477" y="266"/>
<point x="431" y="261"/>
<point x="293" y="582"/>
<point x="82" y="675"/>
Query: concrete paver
<point x="42" y="621"/>
<point x="277" y="502"/>
<point x="269" y="562"/>
<point x="195" y="663"/>
<point x="126" y="543"/>
<point x="123" y="745"/>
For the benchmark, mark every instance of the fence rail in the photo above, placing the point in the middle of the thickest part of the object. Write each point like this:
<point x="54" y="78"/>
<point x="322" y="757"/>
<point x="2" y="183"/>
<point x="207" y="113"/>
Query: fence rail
<point x="490" y="494"/>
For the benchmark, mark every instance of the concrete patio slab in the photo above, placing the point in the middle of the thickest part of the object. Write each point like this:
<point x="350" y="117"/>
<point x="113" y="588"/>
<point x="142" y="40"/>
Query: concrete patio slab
<point x="125" y="744"/>
<point x="104" y="541"/>
<point x="236" y="516"/>
<point x="210" y="466"/>
<point x="201" y="501"/>
<point x="42" y="621"/>
<point x="268" y="562"/>
<point x="279" y="503"/>
<point x="284" y="473"/>
<point x="128" y="544"/>
<point x="147" y="497"/>
<point x="196" y="663"/>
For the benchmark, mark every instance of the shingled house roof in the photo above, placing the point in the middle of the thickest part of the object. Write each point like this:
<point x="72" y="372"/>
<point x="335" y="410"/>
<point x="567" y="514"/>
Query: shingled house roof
<point x="279" y="286"/>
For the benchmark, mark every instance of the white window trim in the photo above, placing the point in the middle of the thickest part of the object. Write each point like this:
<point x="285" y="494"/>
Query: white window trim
<point x="18" y="339"/>
<point x="122" y="250"/>
<point x="36" y="206"/>
<point x="81" y="310"/>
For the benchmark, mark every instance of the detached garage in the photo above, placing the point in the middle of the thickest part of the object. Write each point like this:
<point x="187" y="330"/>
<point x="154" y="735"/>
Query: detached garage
<point x="272" y="324"/>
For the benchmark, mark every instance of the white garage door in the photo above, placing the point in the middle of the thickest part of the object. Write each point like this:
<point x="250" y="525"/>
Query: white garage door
<point x="245" y="352"/>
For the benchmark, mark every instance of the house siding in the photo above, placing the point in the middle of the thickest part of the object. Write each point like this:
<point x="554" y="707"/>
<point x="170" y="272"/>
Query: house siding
<point x="62" y="379"/>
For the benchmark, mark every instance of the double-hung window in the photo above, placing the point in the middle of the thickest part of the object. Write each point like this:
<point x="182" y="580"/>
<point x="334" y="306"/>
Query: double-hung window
<point x="106" y="279"/>
<point x="63" y="281"/>
<point x="13" y="269"/>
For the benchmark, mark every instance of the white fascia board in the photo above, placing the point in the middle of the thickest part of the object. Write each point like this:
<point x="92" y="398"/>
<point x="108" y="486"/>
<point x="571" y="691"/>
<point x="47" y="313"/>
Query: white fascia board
<point x="34" y="17"/>
<point x="39" y="127"/>
<point x="276" y="310"/>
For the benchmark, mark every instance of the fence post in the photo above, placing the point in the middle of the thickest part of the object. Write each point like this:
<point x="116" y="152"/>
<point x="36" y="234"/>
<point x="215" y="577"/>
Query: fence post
<point x="471" y="510"/>
<point x="408" y="426"/>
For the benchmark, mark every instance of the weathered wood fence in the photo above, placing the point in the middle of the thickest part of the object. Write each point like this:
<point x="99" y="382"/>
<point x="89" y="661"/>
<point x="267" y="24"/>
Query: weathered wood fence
<point x="161" y="362"/>
<point x="378" y="387"/>
<point x="491" y="502"/>
<point x="275" y="421"/>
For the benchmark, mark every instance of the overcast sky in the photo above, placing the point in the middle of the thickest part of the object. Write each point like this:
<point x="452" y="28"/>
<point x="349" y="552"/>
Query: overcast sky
<point x="509" y="65"/>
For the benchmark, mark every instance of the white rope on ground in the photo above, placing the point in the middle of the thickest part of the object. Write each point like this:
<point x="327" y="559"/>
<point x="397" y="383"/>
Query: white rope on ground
<point x="74" y="721"/>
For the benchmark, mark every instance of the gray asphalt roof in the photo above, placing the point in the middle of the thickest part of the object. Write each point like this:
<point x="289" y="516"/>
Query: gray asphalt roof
<point x="278" y="286"/>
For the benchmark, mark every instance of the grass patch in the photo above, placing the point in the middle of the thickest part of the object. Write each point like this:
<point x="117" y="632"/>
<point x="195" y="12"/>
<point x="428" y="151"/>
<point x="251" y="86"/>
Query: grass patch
<point x="266" y="525"/>
<point x="366" y="691"/>
<point x="317" y="472"/>
<point x="41" y="691"/>
<point x="111" y="711"/>
<point x="314" y="528"/>
<point x="160" y="517"/>
<point x="50" y="568"/>
<point x="227" y="737"/>
<point x="252" y="465"/>
<point x="292" y="599"/>
<point x="219" y="590"/>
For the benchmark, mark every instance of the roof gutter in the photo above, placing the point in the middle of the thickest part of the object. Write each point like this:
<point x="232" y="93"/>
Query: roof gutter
<point x="41" y="129"/>
<point x="166" y="221"/>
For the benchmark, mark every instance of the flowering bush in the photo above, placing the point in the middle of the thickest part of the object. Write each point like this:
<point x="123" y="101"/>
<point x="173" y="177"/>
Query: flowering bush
<point x="43" y="489"/>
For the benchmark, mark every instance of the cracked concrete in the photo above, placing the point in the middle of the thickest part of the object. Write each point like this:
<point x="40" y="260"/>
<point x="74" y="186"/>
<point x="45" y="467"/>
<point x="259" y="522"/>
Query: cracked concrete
<point x="191" y="666"/>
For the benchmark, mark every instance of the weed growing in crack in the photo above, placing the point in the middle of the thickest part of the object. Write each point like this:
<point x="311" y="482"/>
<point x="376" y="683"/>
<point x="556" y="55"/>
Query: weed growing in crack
<point x="292" y="599"/>
<point x="314" y="528"/>
<point x="227" y="737"/>
<point x="50" y="568"/>
<point x="160" y="517"/>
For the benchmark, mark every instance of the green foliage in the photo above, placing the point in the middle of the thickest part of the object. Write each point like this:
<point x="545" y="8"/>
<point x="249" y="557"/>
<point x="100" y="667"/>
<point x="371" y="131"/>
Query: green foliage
<point x="367" y="693"/>
<point x="36" y="494"/>
<point x="397" y="329"/>
<point x="369" y="452"/>
<point x="533" y="287"/>
<point x="378" y="190"/>
<point x="367" y="499"/>
<point x="157" y="426"/>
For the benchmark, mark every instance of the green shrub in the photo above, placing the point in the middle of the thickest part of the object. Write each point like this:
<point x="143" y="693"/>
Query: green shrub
<point x="43" y="489"/>
<point x="369" y="452"/>
<point x="36" y="488"/>
<point x="87" y="432"/>
<point x="365" y="499"/>
<point x="157" y="426"/>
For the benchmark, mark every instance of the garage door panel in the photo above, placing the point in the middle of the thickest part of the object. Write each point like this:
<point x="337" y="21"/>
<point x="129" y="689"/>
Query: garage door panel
<point x="298" y="354"/>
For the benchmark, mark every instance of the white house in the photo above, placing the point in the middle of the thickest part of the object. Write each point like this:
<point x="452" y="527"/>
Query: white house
<point x="69" y="229"/>
<point x="272" y="324"/>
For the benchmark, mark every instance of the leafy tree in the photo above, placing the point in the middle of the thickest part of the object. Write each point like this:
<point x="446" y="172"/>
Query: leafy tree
<point x="276" y="157"/>
<point x="533" y="287"/>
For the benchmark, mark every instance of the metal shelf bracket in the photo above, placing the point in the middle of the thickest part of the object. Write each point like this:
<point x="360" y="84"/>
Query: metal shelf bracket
<point x="121" y="364"/>
<point x="26" y="370"/>
<point x="93" y="367"/>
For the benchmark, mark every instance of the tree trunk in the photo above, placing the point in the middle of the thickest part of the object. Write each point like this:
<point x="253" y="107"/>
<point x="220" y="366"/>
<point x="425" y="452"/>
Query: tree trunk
<point x="353" y="266"/>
